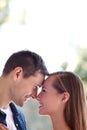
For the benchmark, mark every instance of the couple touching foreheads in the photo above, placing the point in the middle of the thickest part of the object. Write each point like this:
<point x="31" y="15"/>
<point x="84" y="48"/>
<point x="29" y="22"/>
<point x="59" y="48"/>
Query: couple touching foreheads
<point x="61" y="97"/>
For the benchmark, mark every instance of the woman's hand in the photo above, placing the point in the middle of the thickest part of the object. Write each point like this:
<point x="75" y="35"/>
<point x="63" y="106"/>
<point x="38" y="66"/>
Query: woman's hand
<point x="3" y="127"/>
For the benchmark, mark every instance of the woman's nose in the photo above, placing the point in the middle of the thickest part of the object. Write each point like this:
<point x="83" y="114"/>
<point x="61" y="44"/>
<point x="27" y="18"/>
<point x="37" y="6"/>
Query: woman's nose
<point x="38" y="97"/>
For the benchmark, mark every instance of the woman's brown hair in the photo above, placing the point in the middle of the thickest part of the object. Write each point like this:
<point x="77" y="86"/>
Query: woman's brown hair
<point x="75" y="110"/>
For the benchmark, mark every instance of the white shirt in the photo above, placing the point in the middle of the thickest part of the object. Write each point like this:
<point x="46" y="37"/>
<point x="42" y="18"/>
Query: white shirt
<point x="9" y="118"/>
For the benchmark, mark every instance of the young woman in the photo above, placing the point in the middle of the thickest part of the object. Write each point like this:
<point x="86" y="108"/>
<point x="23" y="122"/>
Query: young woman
<point x="62" y="98"/>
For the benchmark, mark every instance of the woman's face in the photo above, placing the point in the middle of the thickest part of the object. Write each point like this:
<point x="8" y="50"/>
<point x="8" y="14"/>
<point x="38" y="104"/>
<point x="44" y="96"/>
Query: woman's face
<point x="49" y="98"/>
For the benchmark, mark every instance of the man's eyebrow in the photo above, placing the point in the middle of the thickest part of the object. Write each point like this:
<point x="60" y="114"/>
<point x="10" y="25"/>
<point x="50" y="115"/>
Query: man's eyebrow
<point x="40" y="85"/>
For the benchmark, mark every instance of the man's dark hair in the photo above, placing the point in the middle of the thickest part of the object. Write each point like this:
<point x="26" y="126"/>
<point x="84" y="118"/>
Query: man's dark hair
<point x="28" y="60"/>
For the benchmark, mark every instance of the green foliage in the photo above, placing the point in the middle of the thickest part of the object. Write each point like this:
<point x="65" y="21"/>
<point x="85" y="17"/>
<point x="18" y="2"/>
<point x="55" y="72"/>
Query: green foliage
<point x="81" y="68"/>
<point x="5" y="16"/>
<point x="4" y="11"/>
<point x="64" y="65"/>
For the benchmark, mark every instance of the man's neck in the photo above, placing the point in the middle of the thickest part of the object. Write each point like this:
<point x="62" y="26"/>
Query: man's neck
<point x="4" y="94"/>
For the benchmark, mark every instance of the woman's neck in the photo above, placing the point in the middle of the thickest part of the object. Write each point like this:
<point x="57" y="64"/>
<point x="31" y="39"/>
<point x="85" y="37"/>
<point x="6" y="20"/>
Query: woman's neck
<point x="59" y="123"/>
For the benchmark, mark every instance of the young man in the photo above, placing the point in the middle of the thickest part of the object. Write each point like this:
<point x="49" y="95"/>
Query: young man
<point x="24" y="71"/>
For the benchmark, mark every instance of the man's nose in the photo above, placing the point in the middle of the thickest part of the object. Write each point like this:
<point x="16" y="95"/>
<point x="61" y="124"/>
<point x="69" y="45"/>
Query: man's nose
<point x="34" y="93"/>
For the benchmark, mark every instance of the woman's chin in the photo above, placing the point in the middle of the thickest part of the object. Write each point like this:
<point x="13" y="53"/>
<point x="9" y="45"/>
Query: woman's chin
<point x="42" y="112"/>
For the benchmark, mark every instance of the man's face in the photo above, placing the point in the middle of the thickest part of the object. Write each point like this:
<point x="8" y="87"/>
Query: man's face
<point x="25" y="88"/>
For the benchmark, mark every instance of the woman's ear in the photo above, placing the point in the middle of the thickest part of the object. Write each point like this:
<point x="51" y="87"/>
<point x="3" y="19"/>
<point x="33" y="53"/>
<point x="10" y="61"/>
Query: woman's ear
<point x="65" y="97"/>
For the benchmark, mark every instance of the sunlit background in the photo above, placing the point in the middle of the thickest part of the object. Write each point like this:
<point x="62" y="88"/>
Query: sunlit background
<point x="57" y="30"/>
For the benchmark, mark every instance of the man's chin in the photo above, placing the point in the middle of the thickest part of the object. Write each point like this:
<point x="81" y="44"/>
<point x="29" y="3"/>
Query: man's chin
<point x="20" y="104"/>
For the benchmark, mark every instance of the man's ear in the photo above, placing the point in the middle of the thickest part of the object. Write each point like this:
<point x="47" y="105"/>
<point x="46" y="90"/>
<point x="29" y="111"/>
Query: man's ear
<point x="65" y="97"/>
<point x="18" y="71"/>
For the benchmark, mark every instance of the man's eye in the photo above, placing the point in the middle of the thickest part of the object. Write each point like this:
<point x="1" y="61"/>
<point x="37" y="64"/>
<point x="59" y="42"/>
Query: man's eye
<point x="34" y="88"/>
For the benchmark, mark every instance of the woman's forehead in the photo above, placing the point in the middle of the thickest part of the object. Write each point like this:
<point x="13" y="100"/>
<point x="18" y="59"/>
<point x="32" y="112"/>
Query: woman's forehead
<point x="49" y="80"/>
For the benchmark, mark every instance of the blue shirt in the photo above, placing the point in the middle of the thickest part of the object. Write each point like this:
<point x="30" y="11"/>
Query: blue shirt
<point x="18" y="117"/>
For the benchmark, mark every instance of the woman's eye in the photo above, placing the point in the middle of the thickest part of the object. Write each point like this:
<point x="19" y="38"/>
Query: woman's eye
<point x="43" y="90"/>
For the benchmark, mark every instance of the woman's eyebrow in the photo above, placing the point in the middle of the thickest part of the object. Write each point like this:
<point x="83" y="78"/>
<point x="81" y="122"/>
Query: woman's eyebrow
<point x="43" y="87"/>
